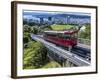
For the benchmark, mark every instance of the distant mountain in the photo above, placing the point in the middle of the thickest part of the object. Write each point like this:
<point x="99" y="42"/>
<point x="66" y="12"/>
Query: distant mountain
<point x="57" y="17"/>
<point x="45" y="14"/>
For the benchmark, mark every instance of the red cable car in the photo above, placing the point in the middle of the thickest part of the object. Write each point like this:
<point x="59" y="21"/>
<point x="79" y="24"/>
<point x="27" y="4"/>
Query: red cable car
<point x="66" y="38"/>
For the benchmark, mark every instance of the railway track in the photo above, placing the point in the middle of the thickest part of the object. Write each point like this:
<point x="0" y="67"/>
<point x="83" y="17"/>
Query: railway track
<point x="80" y="51"/>
<point x="77" y="55"/>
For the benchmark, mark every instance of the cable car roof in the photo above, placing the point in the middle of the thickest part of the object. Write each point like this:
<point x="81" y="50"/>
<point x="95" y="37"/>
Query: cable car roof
<point x="63" y="32"/>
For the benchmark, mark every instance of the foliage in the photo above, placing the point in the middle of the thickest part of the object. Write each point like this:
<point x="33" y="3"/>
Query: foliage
<point x="86" y="34"/>
<point x="51" y="64"/>
<point x="34" y="55"/>
<point x="35" y="30"/>
<point x="27" y="28"/>
<point x="47" y="28"/>
<point x="25" y="39"/>
<point x="25" y="21"/>
<point x="31" y="23"/>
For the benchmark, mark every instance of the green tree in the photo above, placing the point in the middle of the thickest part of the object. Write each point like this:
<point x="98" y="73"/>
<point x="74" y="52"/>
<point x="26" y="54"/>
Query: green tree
<point x="86" y="34"/>
<point x="25" y="39"/>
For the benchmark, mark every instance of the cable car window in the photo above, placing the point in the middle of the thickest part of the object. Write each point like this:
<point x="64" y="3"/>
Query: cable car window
<point x="67" y="36"/>
<point x="53" y="35"/>
<point x="74" y="36"/>
<point x="59" y="35"/>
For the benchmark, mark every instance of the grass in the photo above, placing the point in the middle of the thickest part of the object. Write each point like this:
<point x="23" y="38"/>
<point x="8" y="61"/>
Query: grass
<point x="61" y="27"/>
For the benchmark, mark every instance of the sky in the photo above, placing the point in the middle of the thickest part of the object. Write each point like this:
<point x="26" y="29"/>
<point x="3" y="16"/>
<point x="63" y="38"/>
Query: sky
<point x="30" y="13"/>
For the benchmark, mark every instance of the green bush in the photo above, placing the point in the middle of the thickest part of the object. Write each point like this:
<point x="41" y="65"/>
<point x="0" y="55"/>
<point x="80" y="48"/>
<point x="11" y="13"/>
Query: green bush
<point x="25" y="39"/>
<point x="34" y="55"/>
